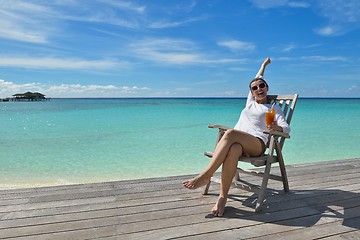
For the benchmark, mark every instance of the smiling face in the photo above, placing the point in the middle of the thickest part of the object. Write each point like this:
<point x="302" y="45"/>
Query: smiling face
<point x="259" y="90"/>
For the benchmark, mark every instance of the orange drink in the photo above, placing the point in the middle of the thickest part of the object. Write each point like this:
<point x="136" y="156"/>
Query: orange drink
<point x="269" y="117"/>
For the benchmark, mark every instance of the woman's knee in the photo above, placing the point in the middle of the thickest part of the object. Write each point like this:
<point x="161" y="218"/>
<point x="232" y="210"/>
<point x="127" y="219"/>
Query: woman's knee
<point x="231" y="134"/>
<point x="235" y="150"/>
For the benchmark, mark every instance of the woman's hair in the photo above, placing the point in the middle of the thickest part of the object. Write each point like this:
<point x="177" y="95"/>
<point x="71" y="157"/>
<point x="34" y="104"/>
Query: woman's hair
<point x="258" y="78"/>
<point x="268" y="100"/>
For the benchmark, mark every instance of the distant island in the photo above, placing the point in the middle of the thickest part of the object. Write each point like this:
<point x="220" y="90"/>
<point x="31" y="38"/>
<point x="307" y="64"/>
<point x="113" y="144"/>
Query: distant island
<point x="28" y="96"/>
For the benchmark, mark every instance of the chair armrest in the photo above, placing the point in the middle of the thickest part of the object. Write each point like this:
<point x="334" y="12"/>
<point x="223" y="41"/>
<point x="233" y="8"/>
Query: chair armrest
<point x="276" y="133"/>
<point x="218" y="126"/>
<point x="270" y="132"/>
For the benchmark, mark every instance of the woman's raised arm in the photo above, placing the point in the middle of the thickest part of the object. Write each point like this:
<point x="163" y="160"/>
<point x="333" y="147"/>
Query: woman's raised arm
<point x="261" y="71"/>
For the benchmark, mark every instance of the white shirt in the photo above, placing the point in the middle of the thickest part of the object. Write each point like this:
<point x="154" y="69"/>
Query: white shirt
<point x="252" y="119"/>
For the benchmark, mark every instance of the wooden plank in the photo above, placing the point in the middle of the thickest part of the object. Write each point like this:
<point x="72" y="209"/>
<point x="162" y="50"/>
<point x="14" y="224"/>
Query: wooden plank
<point x="112" y="186"/>
<point x="102" y="200"/>
<point x="161" y="208"/>
<point x="315" y="232"/>
<point x="157" y="209"/>
<point x="84" y="205"/>
<point x="135" y="203"/>
<point x="354" y="235"/>
<point x="289" y="228"/>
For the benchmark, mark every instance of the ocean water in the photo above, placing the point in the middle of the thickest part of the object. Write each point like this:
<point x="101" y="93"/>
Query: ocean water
<point x="66" y="141"/>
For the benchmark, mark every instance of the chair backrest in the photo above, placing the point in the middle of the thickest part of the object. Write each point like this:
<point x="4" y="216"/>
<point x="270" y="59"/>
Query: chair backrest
<point x="287" y="103"/>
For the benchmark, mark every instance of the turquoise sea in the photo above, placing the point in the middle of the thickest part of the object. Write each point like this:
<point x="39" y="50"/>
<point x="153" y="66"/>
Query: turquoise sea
<point x="65" y="141"/>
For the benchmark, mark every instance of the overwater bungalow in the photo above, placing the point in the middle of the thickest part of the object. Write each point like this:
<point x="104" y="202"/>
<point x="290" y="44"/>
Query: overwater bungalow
<point x="29" y="96"/>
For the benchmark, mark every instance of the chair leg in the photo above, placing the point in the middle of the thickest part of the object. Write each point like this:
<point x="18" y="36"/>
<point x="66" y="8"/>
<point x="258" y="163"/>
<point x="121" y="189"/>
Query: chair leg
<point x="283" y="171"/>
<point x="237" y="175"/>
<point x="262" y="192"/>
<point x="284" y="178"/>
<point x="206" y="189"/>
<point x="220" y="135"/>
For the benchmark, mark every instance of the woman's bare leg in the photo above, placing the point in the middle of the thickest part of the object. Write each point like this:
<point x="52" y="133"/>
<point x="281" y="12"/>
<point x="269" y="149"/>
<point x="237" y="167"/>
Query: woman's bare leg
<point x="227" y="174"/>
<point x="218" y="158"/>
<point x="250" y="145"/>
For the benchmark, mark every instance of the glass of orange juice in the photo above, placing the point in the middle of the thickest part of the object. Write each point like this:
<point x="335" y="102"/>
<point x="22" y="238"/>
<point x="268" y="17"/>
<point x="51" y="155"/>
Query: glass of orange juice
<point x="269" y="117"/>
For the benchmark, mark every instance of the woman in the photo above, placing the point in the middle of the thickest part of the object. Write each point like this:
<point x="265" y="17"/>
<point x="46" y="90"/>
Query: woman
<point x="246" y="139"/>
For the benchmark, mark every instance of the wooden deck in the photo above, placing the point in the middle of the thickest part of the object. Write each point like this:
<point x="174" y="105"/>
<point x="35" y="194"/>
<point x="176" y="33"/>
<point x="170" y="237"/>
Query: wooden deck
<point x="324" y="203"/>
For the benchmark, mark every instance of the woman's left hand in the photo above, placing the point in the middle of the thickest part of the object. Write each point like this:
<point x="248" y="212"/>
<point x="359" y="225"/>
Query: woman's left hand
<point x="274" y="126"/>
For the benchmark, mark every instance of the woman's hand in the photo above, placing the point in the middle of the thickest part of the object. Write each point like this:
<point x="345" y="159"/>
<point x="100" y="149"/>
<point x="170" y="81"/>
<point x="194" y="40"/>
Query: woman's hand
<point x="266" y="62"/>
<point x="274" y="126"/>
<point x="262" y="67"/>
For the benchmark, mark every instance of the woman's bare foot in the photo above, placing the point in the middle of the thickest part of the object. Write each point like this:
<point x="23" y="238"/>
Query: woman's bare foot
<point x="196" y="182"/>
<point x="219" y="207"/>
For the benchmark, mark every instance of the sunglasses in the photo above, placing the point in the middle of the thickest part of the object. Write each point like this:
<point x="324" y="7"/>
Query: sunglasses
<point x="261" y="85"/>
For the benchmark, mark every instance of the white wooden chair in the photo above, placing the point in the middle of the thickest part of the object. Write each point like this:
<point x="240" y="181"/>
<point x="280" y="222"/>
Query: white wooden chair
<point x="272" y="155"/>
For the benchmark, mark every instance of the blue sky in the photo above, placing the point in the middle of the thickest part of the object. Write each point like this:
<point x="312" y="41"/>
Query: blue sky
<point x="178" y="48"/>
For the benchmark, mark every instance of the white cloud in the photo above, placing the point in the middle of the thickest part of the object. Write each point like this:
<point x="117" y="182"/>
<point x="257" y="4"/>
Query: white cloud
<point x="289" y="48"/>
<point x="264" y="4"/>
<point x="7" y="89"/>
<point x="326" y="31"/>
<point x="340" y="10"/>
<point x="269" y="3"/>
<point x="285" y="48"/>
<point x="170" y="24"/>
<point x="236" y="45"/>
<point x="299" y="4"/>
<point x="8" y="30"/>
<point x="171" y="51"/>
<point x="37" y="21"/>
<point x="17" y="16"/>
<point x="231" y="93"/>
<point x="127" y="6"/>
<point x="342" y="15"/>
<point x="240" y="69"/>
<point x="166" y="51"/>
<point x="324" y="58"/>
<point x="78" y="88"/>
<point x="354" y="88"/>
<point x="58" y="63"/>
